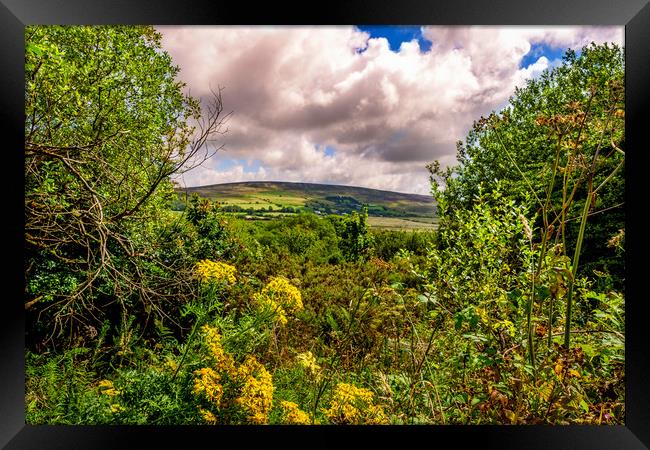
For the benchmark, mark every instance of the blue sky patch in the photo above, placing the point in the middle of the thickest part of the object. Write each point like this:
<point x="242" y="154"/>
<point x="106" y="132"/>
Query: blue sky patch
<point x="226" y="164"/>
<point x="396" y="34"/>
<point x="538" y="50"/>
<point x="327" y="150"/>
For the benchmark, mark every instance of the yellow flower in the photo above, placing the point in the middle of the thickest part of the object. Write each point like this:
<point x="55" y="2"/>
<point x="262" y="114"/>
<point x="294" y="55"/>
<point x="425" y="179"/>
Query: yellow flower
<point x="257" y="392"/>
<point x="267" y="303"/>
<point x="353" y="405"/>
<point x="294" y="415"/>
<point x="284" y="293"/>
<point x="281" y="297"/>
<point x="307" y="361"/>
<point x="208" y="416"/>
<point x="116" y="408"/>
<point x="208" y="271"/>
<point x="223" y="362"/>
<point x="106" y="388"/>
<point x="207" y="383"/>
<point x="250" y="380"/>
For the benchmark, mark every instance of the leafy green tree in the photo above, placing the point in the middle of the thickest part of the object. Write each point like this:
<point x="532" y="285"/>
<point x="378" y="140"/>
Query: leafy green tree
<point x="107" y="125"/>
<point x="211" y="235"/>
<point x="559" y="139"/>
<point x="356" y="240"/>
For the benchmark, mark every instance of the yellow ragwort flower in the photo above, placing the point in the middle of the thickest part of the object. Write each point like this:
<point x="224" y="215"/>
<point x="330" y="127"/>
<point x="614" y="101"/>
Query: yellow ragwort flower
<point x="294" y="415"/>
<point x="267" y="303"/>
<point x="257" y="392"/>
<point x="207" y="383"/>
<point x="208" y="416"/>
<point x="251" y="379"/>
<point x="223" y="362"/>
<point x="353" y="405"/>
<point x="281" y="297"/>
<point x="219" y="272"/>
<point x="284" y="293"/>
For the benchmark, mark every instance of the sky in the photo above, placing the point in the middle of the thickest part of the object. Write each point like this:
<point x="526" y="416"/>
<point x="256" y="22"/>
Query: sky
<point x="359" y="105"/>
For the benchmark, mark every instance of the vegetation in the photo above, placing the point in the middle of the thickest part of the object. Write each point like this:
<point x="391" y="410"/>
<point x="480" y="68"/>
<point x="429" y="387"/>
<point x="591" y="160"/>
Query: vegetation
<point x="106" y="125"/>
<point x="257" y="197"/>
<point x="511" y="312"/>
<point x="559" y="148"/>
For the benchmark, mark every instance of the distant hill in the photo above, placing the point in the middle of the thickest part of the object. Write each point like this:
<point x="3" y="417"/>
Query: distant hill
<point x="274" y="196"/>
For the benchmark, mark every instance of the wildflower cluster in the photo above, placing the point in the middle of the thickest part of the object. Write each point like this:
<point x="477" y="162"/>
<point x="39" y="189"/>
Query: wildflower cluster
<point x="207" y="383"/>
<point x="294" y="415"/>
<point x="353" y="405"/>
<point x="281" y="297"/>
<point x="208" y="416"/>
<point x="251" y="380"/>
<point x="106" y="388"/>
<point x="208" y="271"/>
<point x="257" y="393"/>
<point x="307" y="361"/>
<point x="223" y="362"/>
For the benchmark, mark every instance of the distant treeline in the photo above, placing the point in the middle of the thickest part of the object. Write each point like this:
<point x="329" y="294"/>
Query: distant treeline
<point x="180" y="205"/>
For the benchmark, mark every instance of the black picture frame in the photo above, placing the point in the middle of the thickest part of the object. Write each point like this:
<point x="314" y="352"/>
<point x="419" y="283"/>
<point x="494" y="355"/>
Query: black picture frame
<point x="633" y="14"/>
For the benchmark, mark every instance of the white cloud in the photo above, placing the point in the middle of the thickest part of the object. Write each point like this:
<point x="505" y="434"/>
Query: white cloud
<point x="386" y="113"/>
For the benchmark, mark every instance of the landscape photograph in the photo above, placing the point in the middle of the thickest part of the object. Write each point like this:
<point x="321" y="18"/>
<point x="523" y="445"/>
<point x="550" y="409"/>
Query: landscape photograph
<point x="324" y="225"/>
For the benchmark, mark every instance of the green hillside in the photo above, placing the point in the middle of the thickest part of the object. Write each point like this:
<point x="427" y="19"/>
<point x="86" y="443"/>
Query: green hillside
<point x="320" y="198"/>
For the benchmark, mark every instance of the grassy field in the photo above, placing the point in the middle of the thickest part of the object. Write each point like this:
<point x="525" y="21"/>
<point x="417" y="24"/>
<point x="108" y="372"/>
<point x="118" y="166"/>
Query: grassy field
<point x="398" y="223"/>
<point x="390" y="210"/>
<point x="261" y="200"/>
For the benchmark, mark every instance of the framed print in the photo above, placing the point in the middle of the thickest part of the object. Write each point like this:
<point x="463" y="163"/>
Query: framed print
<point x="374" y="220"/>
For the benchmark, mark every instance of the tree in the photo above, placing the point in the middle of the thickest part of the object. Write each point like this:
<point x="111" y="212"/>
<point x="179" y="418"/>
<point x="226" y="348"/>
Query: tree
<point x="107" y="125"/>
<point x="560" y="137"/>
<point x="356" y="239"/>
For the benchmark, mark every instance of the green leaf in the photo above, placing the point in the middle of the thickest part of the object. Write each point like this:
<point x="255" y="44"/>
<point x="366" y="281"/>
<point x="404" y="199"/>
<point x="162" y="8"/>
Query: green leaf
<point x="33" y="49"/>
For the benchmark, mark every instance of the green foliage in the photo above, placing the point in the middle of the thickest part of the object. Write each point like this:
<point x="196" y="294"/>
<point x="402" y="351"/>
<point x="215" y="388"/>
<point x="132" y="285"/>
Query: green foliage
<point x="356" y="239"/>
<point x="54" y="387"/>
<point x="563" y="130"/>
<point x="301" y="237"/>
<point x="106" y="126"/>
<point x="514" y="234"/>
<point x="480" y="251"/>
<point x="388" y="243"/>
<point x="211" y="234"/>
<point x="467" y="325"/>
<point x="65" y="390"/>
